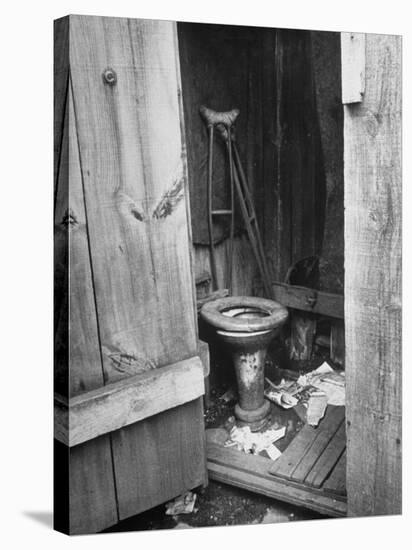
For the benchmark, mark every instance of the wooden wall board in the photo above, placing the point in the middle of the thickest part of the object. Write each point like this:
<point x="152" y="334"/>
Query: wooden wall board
<point x="86" y="372"/>
<point x="131" y="157"/>
<point x="126" y="237"/>
<point x="274" y="204"/>
<point x="326" y="63"/>
<point x="307" y="299"/>
<point x="245" y="279"/>
<point x="61" y="81"/>
<point x="353" y="67"/>
<point x="165" y="456"/>
<point x="61" y="259"/>
<point x="301" y="168"/>
<point x="373" y="271"/>
<point x="93" y="496"/>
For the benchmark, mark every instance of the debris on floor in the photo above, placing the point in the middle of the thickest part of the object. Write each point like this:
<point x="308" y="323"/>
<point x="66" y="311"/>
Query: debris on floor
<point x="316" y="407"/>
<point x="316" y="389"/>
<point x="327" y="380"/>
<point x="281" y="394"/>
<point x="243" y="439"/>
<point x="185" y="504"/>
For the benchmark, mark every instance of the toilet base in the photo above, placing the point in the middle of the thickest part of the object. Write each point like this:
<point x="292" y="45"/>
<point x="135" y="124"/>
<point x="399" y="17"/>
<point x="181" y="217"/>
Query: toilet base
<point x="256" y="419"/>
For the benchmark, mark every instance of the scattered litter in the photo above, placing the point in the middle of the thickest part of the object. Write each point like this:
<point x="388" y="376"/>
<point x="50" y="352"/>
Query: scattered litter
<point x="281" y="398"/>
<point x="254" y="442"/>
<point x="317" y="404"/>
<point x="185" y="504"/>
<point x="273" y="452"/>
<point x="282" y="394"/>
<point x="327" y="380"/>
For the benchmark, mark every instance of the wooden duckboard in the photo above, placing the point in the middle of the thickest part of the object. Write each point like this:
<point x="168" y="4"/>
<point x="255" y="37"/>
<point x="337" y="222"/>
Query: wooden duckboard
<point x="310" y="473"/>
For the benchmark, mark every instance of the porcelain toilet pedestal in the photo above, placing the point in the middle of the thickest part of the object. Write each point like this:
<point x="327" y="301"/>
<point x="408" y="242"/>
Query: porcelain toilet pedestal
<point x="248" y="351"/>
<point x="247" y="325"/>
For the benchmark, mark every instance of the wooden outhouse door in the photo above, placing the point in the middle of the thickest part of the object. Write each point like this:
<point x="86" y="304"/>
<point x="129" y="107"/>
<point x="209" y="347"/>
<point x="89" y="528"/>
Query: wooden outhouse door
<point x="129" y="413"/>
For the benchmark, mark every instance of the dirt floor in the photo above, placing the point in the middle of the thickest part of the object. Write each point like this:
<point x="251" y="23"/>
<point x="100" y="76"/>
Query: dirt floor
<point x="219" y="504"/>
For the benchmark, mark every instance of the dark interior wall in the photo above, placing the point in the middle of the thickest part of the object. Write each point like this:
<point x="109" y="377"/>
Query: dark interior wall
<point x="286" y="84"/>
<point x="294" y="184"/>
<point x="326" y="59"/>
<point x="220" y="68"/>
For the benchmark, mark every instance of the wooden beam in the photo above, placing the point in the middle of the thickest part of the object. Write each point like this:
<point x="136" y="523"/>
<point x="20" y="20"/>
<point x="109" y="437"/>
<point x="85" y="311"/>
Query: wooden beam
<point x="128" y="401"/>
<point x="353" y="67"/>
<point x="308" y="299"/>
<point x="373" y="284"/>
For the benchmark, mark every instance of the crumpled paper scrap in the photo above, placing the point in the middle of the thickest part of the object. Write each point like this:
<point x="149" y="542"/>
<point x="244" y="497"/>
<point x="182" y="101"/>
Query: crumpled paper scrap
<point x="254" y="442"/>
<point x="185" y="504"/>
<point x="327" y="380"/>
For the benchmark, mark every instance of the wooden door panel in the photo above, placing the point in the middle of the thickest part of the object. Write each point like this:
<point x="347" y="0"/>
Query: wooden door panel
<point x="131" y="156"/>
<point x="125" y="251"/>
<point x="168" y="451"/>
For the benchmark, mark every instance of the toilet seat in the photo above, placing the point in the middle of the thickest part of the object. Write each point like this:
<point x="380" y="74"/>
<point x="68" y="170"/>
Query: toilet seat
<point x="219" y="313"/>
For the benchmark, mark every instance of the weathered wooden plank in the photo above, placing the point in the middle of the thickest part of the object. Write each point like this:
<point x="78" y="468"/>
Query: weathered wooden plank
<point x="336" y="482"/>
<point x="86" y="371"/>
<point x="251" y="472"/>
<point x="92" y="500"/>
<point x="373" y="284"/>
<point x="328" y="459"/>
<point x="61" y="260"/>
<point x="85" y="501"/>
<point x="61" y="80"/>
<point x="131" y="156"/>
<point x="325" y="432"/>
<point x="275" y="197"/>
<point x="307" y="299"/>
<point x="286" y="464"/>
<point x="353" y="67"/>
<point x="125" y="87"/>
<point x="135" y="398"/>
<point x="326" y="59"/>
<point x="165" y="457"/>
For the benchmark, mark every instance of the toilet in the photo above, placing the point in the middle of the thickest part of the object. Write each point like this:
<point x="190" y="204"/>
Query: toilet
<point x="247" y="325"/>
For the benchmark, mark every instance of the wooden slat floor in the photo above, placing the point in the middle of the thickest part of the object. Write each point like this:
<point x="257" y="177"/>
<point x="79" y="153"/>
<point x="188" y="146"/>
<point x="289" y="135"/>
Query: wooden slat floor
<point x="311" y="471"/>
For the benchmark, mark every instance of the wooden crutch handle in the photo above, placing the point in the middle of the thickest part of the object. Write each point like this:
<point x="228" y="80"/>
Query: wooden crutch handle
<point x="212" y="117"/>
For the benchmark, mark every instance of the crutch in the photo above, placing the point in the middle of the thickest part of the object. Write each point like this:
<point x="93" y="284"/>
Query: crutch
<point x="248" y="211"/>
<point x="245" y="198"/>
<point x="226" y="120"/>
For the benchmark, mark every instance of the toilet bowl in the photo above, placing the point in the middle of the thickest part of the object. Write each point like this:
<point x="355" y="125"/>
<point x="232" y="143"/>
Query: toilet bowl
<point x="247" y="325"/>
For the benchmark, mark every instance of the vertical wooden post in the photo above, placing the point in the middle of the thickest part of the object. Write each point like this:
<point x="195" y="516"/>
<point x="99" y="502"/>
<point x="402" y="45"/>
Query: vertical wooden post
<point x="372" y="158"/>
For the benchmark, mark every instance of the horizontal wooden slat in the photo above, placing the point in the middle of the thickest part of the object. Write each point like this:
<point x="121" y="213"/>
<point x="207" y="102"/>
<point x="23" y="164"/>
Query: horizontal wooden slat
<point x="300" y="297"/>
<point x="117" y="405"/>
